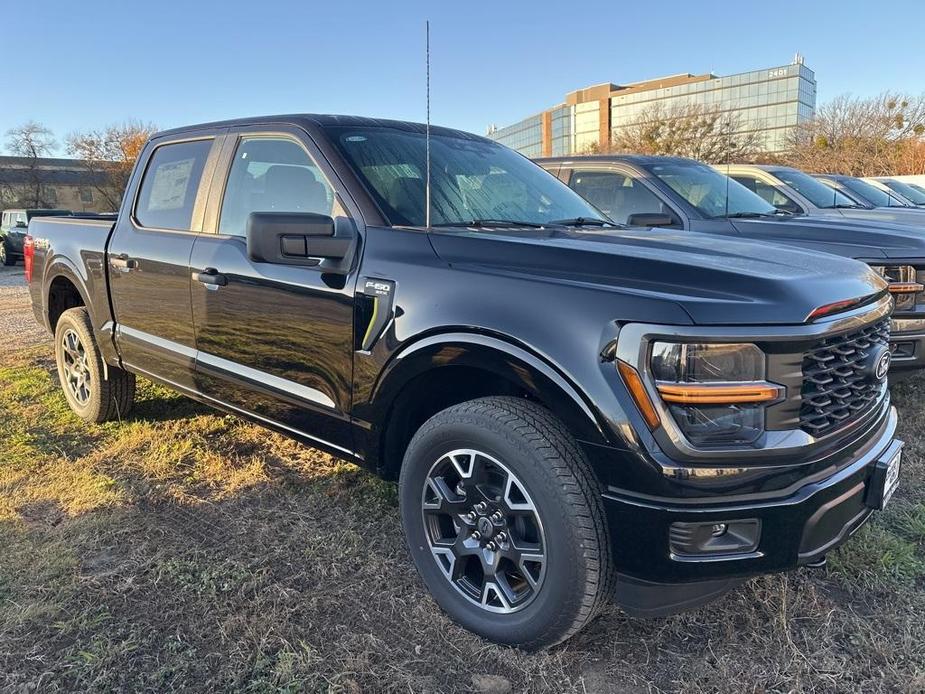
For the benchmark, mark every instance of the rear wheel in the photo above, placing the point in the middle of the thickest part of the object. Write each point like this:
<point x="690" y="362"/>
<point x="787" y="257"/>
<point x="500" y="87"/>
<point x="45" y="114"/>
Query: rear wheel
<point x="94" y="391"/>
<point x="504" y="521"/>
<point x="4" y="256"/>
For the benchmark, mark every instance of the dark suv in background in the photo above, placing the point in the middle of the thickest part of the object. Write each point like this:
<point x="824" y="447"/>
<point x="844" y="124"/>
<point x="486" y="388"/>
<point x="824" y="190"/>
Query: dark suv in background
<point x="14" y="226"/>
<point x="679" y="193"/>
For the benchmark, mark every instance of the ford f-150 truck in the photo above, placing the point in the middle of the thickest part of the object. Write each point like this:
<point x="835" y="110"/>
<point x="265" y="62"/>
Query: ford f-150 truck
<point x="680" y="193"/>
<point x="573" y="410"/>
<point x="865" y="193"/>
<point x="792" y="190"/>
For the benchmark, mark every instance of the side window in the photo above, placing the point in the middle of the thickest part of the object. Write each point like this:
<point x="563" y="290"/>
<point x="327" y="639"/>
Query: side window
<point x="617" y="195"/>
<point x="170" y="184"/>
<point x="767" y="192"/>
<point x="272" y="175"/>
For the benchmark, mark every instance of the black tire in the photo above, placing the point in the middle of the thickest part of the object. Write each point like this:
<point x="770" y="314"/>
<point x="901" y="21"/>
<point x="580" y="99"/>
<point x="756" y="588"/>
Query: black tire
<point x="5" y="256"/>
<point x="105" y="392"/>
<point x="545" y="460"/>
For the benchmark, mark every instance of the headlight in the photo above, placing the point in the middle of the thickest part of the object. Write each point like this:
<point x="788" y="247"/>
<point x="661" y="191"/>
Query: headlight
<point x="716" y="393"/>
<point x="904" y="286"/>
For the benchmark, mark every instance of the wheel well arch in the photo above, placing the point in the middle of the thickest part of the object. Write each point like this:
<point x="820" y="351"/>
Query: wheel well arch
<point x="63" y="293"/>
<point x="441" y="374"/>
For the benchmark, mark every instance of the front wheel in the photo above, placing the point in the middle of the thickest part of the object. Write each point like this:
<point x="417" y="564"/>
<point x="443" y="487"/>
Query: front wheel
<point x="5" y="257"/>
<point x="504" y="521"/>
<point x="95" y="391"/>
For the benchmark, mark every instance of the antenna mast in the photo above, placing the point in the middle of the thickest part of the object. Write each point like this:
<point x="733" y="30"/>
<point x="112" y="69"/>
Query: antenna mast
<point x="427" y="134"/>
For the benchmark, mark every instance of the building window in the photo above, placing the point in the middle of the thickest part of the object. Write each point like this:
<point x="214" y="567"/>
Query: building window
<point x="50" y="195"/>
<point x="86" y="196"/>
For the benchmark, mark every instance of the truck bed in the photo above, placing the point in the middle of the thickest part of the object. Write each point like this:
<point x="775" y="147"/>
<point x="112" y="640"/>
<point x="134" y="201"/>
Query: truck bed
<point x="76" y="246"/>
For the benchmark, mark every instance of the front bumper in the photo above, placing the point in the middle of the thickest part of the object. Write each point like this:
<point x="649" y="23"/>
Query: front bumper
<point x="798" y="525"/>
<point x="908" y="351"/>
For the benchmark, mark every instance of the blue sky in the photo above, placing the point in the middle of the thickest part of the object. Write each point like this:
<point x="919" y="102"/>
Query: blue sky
<point x="78" y="65"/>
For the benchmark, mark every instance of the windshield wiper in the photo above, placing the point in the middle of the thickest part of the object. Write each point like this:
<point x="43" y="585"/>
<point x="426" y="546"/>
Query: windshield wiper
<point x="482" y="223"/>
<point x="586" y="222"/>
<point x="743" y="215"/>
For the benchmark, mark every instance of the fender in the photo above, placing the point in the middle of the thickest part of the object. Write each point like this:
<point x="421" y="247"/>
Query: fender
<point x="509" y="361"/>
<point x="61" y="266"/>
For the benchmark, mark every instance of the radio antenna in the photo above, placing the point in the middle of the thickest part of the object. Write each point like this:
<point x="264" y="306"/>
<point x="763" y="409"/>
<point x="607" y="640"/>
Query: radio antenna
<point x="427" y="132"/>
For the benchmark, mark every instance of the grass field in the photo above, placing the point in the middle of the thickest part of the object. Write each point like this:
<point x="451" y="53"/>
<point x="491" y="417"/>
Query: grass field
<point x="187" y="550"/>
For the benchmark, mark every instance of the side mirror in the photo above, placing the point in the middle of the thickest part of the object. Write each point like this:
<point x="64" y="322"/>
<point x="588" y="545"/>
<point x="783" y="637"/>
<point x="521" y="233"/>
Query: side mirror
<point x="651" y="219"/>
<point x="297" y="238"/>
<point x="789" y="206"/>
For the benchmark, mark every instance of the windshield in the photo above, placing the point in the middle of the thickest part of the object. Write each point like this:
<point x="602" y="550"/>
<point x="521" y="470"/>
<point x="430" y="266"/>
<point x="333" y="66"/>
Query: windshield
<point x="813" y="189"/>
<point x="875" y="196"/>
<point x="712" y="193"/>
<point x="904" y="189"/>
<point x="471" y="179"/>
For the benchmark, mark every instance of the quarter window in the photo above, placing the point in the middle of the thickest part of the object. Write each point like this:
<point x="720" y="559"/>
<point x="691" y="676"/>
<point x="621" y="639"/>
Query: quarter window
<point x="272" y="175"/>
<point x="170" y="185"/>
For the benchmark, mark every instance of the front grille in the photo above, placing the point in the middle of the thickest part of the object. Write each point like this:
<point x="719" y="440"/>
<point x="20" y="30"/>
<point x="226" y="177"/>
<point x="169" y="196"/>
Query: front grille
<point x="837" y="383"/>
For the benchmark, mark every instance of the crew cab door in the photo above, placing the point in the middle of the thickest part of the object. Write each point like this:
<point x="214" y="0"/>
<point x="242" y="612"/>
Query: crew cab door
<point x="148" y="257"/>
<point x="273" y="340"/>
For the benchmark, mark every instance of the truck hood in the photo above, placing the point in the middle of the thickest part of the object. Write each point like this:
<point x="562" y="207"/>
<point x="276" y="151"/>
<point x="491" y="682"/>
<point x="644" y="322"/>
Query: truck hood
<point x="715" y="279"/>
<point x="907" y="216"/>
<point x="852" y="238"/>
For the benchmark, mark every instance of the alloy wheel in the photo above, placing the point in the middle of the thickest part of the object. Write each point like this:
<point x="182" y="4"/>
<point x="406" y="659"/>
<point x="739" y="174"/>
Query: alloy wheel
<point x="484" y="531"/>
<point x="76" y="367"/>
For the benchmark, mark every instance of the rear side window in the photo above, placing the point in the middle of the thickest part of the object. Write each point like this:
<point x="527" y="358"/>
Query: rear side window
<point x="170" y="184"/>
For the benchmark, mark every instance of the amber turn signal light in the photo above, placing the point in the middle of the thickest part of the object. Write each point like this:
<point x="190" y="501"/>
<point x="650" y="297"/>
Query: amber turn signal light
<point x="705" y="394"/>
<point x="638" y="392"/>
<point x="905" y="287"/>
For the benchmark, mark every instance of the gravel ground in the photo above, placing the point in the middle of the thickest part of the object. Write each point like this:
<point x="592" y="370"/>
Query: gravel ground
<point x="17" y="324"/>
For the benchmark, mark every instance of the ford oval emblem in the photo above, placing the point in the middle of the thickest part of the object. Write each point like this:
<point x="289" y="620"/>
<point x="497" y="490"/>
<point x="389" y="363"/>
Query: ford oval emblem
<point x="883" y="365"/>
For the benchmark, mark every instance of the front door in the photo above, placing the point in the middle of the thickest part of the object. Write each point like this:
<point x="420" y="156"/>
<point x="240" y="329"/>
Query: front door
<point x="149" y="261"/>
<point x="274" y="340"/>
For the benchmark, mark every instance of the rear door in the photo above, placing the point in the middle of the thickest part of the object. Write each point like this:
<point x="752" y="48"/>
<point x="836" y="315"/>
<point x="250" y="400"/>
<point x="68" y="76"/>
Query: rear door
<point x="148" y="259"/>
<point x="273" y="340"/>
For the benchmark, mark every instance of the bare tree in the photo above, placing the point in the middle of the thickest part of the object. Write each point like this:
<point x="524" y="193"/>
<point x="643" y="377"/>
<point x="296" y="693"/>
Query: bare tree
<point x="876" y="136"/>
<point x="109" y="154"/>
<point x="31" y="141"/>
<point x="688" y="131"/>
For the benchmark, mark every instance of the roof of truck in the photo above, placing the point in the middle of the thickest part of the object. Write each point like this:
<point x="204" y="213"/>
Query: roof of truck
<point x="640" y="159"/>
<point x="327" y="120"/>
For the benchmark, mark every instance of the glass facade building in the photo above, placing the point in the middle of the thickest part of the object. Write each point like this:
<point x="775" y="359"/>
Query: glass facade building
<point x="769" y="102"/>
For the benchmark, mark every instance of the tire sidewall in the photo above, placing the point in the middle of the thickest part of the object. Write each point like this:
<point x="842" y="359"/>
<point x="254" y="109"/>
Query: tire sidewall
<point x="79" y="321"/>
<point x="559" y="599"/>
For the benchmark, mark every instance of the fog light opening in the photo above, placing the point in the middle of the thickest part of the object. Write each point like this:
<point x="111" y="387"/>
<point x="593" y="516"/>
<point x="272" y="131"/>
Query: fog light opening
<point x="733" y="538"/>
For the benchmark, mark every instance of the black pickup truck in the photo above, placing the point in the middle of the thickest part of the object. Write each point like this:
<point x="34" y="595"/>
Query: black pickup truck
<point x="679" y="193"/>
<point x="574" y="410"/>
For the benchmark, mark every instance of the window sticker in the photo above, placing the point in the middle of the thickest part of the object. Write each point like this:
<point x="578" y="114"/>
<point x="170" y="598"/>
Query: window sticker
<point x="168" y="190"/>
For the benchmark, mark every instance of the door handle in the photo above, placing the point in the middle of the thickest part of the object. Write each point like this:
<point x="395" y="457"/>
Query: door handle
<point x="123" y="263"/>
<point x="211" y="277"/>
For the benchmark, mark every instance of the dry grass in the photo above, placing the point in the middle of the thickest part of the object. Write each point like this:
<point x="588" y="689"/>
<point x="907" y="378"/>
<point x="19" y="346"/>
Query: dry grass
<point x="186" y="550"/>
